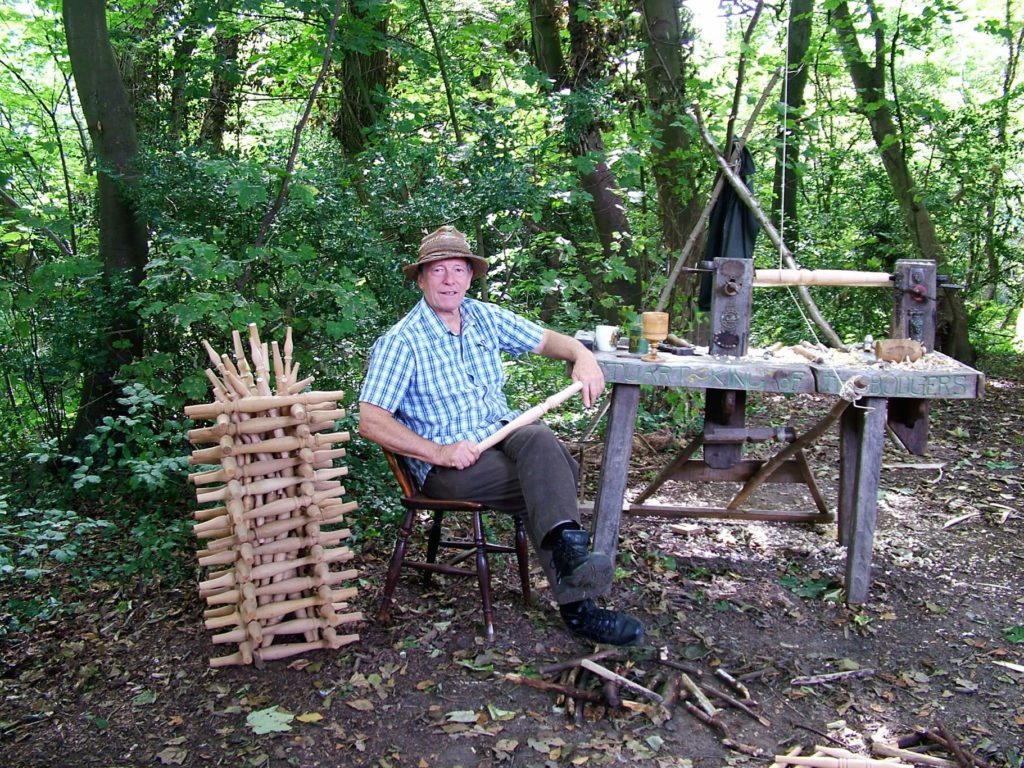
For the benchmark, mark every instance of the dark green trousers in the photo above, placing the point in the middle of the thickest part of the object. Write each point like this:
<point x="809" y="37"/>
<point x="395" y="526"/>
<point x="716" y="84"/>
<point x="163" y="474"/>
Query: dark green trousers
<point x="530" y="472"/>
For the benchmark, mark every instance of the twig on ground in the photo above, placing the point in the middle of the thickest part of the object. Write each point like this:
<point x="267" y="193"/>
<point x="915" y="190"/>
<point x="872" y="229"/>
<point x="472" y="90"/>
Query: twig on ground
<point x="718" y="725"/>
<point x="965" y="760"/>
<point x="732" y="702"/>
<point x="611" y="693"/>
<point x="554" y="669"/>
<point x="829" y="677"/>
<point x="607" y="674"/>
<point x="670" y="692"/>
<point x="544" y="685"/>
<point x="757" y="674"/>
<point x="724" y="674"/>
<point x="941" y="740"/>
<point x="690" y="669"/>
<point x="816" y="732"/>
<point x="698" y="694"/>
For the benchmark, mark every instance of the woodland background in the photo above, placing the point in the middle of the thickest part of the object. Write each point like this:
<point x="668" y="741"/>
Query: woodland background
<point x="172" y="170"/>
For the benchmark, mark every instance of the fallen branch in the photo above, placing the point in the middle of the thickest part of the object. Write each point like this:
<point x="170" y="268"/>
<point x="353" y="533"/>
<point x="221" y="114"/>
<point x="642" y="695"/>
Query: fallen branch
<point x="816" y="732"/>
<point x="611" y="693"/>
<point x="688" y="668"/>
<point x="957" y="520"/>
<point x="607" y="674"/>
<point x="670" y="692"/>
<point x="556" y="669"/>
<point x="719" y="672"/>
<point x="953" y="745"/>
<point x="736" y="703"/>
<point x="719" y="726"/>
<point x="941" y="740"/>
<point x="549" y="687"/>
<point x="829" y="677"/>
<point x="698" y="694"/>
<point x="757" y="674"/>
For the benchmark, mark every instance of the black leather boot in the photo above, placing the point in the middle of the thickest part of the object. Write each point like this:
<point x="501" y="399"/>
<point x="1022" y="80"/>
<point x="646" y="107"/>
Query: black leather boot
<point x="598" y="625"/>
<point x="576" y="565"/>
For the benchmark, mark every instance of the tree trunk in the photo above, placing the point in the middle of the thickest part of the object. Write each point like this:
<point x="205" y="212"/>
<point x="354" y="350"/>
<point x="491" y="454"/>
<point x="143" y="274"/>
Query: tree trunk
<point x="123" y="236"/>
<point x="546" y="46"/>
<point x="184" y="46"/>
<point x="675" y="166"/>
<point x="222" y="89"/>
<point x="869" y="81"/>
<point x="364" y="74"/>
<point x="996" y="234"/>
<point x="786" y="186"/>
<point x="588" y="60"/>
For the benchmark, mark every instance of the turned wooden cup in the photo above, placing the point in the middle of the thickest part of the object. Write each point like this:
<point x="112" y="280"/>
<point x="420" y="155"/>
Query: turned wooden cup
<point x="654" y="326"/>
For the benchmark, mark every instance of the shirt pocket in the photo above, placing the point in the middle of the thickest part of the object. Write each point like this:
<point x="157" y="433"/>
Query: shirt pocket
<point x="483" y="363"/>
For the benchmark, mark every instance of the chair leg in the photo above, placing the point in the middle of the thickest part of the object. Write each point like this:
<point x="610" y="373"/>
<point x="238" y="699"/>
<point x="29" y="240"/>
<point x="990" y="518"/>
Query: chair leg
<point x="483" y="574"/>
<point x="523" y="558"/>
<point x="433" y="543"/>
<point x="395" y="567"/>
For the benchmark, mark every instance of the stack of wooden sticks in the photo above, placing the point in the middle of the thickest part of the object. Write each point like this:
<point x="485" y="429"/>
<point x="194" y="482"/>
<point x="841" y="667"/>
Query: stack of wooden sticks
<point x="277" y="520"/>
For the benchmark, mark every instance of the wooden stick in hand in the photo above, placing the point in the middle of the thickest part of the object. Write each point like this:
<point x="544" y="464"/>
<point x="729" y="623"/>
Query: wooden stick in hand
<point x="530" y="416"/>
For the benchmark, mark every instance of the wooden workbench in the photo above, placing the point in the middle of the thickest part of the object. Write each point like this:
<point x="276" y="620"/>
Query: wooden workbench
<point x="862" y="431"/>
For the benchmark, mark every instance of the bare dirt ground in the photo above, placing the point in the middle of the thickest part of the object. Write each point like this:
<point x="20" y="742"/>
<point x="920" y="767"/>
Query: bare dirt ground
<point x="940" y="644"/>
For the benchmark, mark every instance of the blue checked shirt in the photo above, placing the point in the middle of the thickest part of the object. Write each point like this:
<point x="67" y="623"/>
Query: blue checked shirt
<point x="447" y="387"/>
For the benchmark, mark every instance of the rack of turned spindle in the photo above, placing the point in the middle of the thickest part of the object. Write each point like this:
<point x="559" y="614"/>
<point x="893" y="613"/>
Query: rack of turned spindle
<point x="272" y="542"/>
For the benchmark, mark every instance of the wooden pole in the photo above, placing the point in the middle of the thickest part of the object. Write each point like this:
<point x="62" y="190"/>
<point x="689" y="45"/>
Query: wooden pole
<point x="530" y="416"/>
<point x="264" y="403"/>
<point x="845" y="277"/>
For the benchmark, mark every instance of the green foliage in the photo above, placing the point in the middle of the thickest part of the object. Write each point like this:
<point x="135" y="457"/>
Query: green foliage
<point x="811" y="585"/>
<point x="31" y="540"/>
<point x="1014" y="634"/>
<point x="494" y="161"/>
<point x="138" y="455"/>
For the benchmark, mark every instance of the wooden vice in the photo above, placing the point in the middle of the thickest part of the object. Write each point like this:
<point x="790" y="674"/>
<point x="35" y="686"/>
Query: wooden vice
<point x="913" y="317"/>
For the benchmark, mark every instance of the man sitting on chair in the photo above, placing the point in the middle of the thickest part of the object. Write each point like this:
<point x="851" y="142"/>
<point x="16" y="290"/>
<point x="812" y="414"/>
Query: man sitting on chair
<point x="435" y="388"/>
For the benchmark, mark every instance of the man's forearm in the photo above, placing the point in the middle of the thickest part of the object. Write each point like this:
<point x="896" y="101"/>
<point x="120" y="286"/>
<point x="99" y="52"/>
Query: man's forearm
<point x="558" y="346"/>
<point x="585" y="368"/>
<point x="383" y="428"/>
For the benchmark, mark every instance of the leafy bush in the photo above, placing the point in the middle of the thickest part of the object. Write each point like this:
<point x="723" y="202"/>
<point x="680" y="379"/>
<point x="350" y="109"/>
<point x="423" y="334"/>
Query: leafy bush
<point x="138" y="455"/>
<point x="32" y="540"/>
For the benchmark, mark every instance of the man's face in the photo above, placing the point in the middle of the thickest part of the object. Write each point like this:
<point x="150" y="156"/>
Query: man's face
<point x="444" y="283"/>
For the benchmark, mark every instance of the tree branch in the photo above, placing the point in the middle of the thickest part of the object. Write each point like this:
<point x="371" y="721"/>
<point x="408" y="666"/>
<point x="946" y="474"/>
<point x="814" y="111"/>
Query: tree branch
<point x="279" y="201"/>
<point x="61" y="244"/>
<point x="444" y="72"/>
<point x="744" y="194"/>
<point x="741" y="69"/>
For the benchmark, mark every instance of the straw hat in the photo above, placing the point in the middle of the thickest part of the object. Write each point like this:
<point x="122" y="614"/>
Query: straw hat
<point x="445" y="243"/>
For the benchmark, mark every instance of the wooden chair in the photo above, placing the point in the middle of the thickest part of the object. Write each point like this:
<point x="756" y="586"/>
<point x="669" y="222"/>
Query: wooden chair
<point x="415" y="502"/>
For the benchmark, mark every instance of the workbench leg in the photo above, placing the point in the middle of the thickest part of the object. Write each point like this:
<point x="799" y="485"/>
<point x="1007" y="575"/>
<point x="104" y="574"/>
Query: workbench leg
<point x="861" y="442"/>
<point x="611" y="488"/>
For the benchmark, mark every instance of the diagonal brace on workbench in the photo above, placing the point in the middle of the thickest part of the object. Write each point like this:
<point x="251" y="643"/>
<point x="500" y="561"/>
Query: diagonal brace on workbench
<point x="790" y="450"/>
